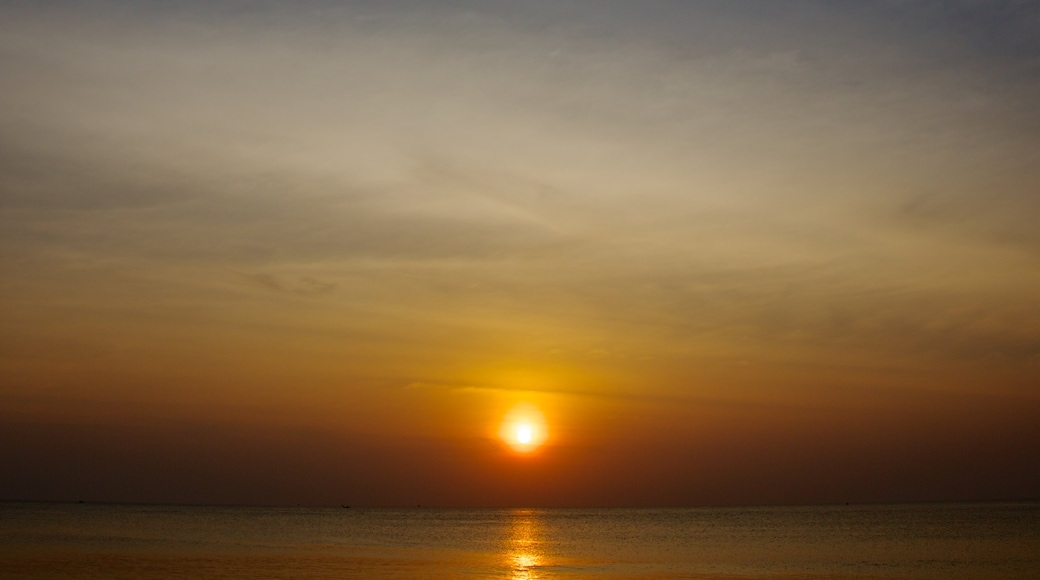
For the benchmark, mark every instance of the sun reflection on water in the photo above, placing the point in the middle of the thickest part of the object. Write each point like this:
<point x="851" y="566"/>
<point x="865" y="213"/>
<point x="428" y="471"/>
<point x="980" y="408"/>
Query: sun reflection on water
<point x="524" y="556"/>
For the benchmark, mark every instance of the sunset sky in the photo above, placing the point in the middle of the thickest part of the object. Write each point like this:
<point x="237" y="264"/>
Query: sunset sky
<point x="721" y="252"/>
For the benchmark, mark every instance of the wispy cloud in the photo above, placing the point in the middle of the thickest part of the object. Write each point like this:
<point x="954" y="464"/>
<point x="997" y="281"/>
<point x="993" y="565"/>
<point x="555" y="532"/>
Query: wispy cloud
<point x="833" y="187"/>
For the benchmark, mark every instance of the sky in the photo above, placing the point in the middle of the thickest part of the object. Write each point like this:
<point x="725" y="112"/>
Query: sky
<point x="721" y="253"/>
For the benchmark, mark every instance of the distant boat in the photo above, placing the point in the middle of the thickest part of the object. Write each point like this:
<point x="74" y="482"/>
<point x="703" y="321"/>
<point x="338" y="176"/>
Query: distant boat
<point x="346" y="507"/>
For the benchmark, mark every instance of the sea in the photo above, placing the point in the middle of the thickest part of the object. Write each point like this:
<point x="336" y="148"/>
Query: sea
<point x="915" y="541"/>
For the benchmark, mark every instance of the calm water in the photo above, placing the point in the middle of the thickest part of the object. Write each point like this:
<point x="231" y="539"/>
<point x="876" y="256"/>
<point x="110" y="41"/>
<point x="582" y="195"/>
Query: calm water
<point x="890" y="541"/>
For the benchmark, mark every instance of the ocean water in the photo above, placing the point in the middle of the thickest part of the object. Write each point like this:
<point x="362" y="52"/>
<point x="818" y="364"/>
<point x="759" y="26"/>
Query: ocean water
<point x="73" y="541"/>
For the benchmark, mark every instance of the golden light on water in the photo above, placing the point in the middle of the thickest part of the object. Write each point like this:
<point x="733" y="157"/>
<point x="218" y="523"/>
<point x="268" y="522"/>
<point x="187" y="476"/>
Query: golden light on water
<point x="524" y="556"/>
<point x="524" y="428"/>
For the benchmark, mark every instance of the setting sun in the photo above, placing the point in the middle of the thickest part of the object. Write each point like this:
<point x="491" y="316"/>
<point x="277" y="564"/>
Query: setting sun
<point x="524" y="433"/>
<point x="523" y="428"/>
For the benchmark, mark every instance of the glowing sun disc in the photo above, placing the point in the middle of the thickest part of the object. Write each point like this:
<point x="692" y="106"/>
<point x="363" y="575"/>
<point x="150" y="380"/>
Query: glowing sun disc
<point x="524" y="433"/>
<point x="523" y="428"/>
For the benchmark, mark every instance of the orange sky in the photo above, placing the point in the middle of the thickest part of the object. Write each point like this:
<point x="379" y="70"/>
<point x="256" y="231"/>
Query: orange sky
<point x="734" y="254"/>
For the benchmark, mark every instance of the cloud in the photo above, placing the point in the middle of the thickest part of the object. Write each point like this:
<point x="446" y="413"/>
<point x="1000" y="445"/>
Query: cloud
<point x="303" y="286"/>
<point x="688" y="180"/>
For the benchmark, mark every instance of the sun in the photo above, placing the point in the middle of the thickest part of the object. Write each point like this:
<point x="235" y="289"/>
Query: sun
<point x="523" y="428"/>
<point x="524" y="433"/>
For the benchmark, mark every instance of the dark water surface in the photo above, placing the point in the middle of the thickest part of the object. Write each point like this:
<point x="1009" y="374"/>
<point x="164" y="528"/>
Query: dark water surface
<point x="990" y="540"/>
